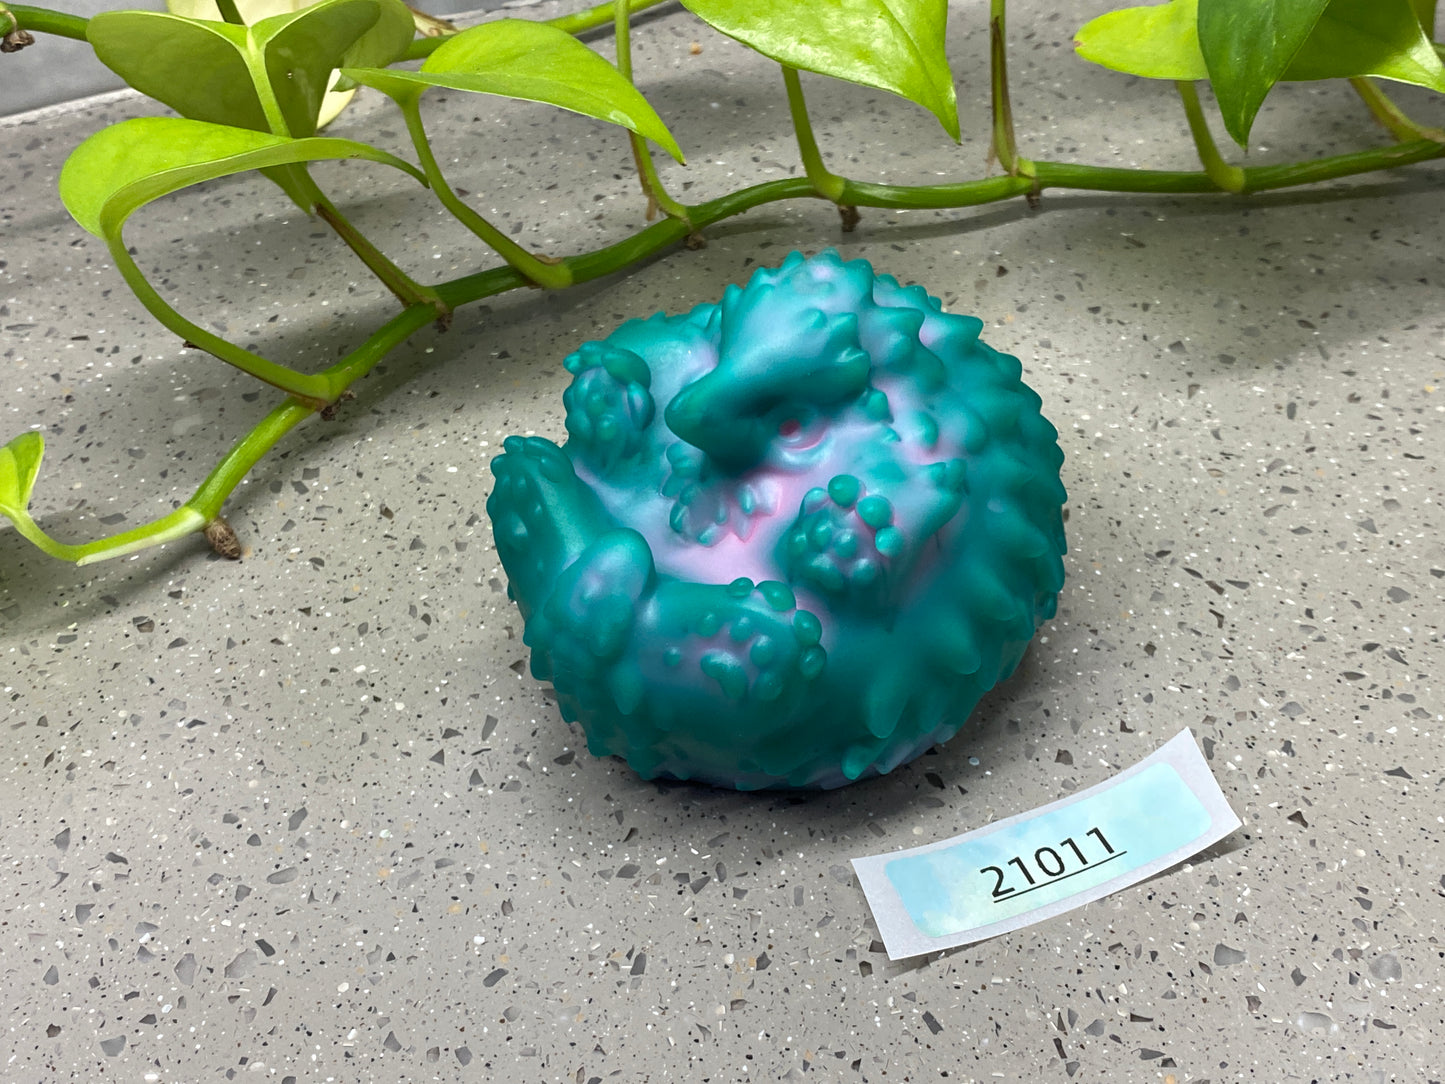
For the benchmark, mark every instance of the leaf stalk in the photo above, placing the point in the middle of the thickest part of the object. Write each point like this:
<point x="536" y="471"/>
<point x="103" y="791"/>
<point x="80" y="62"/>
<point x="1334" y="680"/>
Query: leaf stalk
<point x="1228" y="177"/>
<point x="548" y="275"/>
<point x="45" y="21"/>
<point x="406" y="289"/>
<point x="825" y="183"/>
<point x="642" y="154"/>
<point x="1390" y="115"/>
<point x="1005" y="143"/>
<point x="578" y="22"/>
<point x="229" y="12"/>
<point x="310" y="389"/>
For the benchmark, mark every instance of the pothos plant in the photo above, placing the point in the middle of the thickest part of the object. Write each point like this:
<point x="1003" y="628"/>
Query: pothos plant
<point x="254" y="80"/>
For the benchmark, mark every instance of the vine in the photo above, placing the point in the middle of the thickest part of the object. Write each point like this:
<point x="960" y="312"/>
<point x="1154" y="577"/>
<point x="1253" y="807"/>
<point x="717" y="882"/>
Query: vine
<point x="265" y="97"/>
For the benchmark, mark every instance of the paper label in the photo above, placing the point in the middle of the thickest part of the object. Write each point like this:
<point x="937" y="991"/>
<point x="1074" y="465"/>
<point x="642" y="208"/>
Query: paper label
<point x="1035" y="865"/>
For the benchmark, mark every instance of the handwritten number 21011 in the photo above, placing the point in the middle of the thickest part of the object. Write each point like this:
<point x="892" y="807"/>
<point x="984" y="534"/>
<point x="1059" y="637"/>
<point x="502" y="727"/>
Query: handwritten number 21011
<point x="1051" y="863"/>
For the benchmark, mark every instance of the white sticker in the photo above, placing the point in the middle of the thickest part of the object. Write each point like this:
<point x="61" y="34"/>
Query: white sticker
<point x="1038" y="864"/>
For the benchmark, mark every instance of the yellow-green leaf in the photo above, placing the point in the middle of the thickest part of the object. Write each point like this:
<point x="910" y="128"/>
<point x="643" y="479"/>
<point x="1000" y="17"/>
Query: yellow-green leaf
<point x="270" y="76"/>
<point x="531" y="61"/>
<point x="127" y="165"/>
<point x="19" y="464"/>
<point x="892" y="45"/>
<point x="1353" y="37"/>
<point x="1160" y="41"/>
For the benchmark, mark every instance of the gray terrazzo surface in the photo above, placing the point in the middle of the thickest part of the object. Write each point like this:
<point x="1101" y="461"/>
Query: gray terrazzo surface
<point x="306" y="817"/>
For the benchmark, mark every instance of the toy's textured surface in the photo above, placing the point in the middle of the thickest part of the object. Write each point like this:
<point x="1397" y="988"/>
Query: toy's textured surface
<point x="794" y="536"/>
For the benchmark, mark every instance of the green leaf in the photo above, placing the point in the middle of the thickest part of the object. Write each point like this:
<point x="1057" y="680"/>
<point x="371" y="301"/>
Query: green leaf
<point x="1425" y="13"/>
<point x="197" y="68"/>
<point x="1157" y="42"/>
<point x="1353" y="37"/>
<point x="1247" y="46"/>
<point x="19" y="464"/>
<point x="1370" y="37"/>
<point x="268" y="77"/>
<point x="384" y="43"/>
<point x="532" y="61"/>
<point x="892" y="45"/>
<point x="127" y="165"/>
<point x="302" y="49"/>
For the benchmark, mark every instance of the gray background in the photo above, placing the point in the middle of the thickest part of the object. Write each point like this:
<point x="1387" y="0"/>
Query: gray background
<point x="306" y="817"/>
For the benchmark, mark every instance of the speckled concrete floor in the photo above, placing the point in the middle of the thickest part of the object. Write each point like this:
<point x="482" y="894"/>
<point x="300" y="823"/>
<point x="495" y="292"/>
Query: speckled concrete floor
<point x="306" y="817"/>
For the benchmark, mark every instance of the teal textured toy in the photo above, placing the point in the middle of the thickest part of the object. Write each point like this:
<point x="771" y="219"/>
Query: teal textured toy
<point x="793" y="537"/>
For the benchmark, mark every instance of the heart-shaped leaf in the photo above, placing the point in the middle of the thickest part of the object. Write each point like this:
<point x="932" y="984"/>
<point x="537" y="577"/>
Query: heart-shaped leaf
<point x="1353" y="37"/>
<point x="514" y="58"/>
<point x="892" y="45"/>
<point x="127" y="165"/>
<point x="301" y="51"/>
<point x="197" y="68"/>
<point x="1370" y="37"/>
<point x="19" y="464"/>
<point x="270" y="77"/>
<point x="1160" y="41"/>
<point x="384" y="43"/>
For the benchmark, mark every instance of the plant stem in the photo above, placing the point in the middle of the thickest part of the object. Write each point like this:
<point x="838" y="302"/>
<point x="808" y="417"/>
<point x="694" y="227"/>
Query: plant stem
<point x="641" y="154"/>
<point x="32" y="533"/>
<point x="1266" y="178"/>
<point x="266" y="93"/>
<point x="630" y="250"/>
<point x="961" y="194"/>
<point x="549" y="275"/>
<point x="1390" y="115"/>
<point x="576" y="23"/>
<point x="206" y="503"/>
<point x="406" y="289"/>
<point x="380" y="343"/>
<point x="582" y="21"/>
<point x="1005" y="144"/>
<point x="1226" y="176"/>
<point x="296" y="181"/>
<point x="226" y="475"/>
<point x="827" y="184"/>
<point x="229" y="13"/>
<point x="177" y="524"/>
<point x="45" y="21"/>
<point x="659" y="235"/>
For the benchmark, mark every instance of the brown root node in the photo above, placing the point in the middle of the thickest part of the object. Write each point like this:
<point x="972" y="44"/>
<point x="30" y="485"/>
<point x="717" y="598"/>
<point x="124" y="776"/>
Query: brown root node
<point x="223" y="539"/>
<point x="328" y="412"/>
<point x="16" y="40"/>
